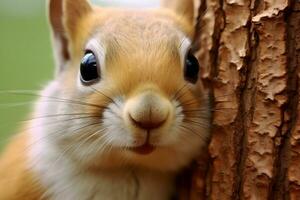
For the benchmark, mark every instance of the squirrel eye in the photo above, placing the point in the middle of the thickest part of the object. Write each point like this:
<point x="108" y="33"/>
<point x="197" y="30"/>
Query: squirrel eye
<point x="89" y="68"/>
<point x="191" y="68"/>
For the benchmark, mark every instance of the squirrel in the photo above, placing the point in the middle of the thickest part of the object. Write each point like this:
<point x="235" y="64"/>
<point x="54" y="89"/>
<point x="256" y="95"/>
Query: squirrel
<point x="124" y="114"/>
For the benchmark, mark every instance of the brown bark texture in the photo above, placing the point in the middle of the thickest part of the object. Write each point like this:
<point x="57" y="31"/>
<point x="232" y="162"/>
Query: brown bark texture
<point x="250" y="54"/>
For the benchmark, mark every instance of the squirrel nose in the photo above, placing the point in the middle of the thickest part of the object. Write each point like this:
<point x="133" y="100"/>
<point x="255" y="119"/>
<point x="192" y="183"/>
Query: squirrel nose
<point x="148" y="111"/>
<point x="148" y="124"/>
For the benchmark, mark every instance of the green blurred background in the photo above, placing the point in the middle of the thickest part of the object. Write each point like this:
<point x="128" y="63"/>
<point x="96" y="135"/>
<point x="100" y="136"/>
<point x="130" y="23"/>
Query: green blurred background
<point x="26" y="61"/>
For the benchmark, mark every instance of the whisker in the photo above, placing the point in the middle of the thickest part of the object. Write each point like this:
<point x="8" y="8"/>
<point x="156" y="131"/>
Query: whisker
<point x="191" y="130"/>
<point x="90" y="136"/>
<point x="207" y="109"/>
<point x="183" y="136"/>
<point x="197" y="117"/>
<point x="16" y="104"/>
<point x="108" y="97"/>
<point x="104" y="145"/>
<point x="9" y="91"/>
<point x="69" y="147"/>
<point x="182" y="93"/>
<point x="188" y="103"/>
<point x="65" y="120"/>
<point x="178" y="91"/>
<point x="54" y="98"/>
<point x="53" y="121"/>
<point x="194" y="114"/>
<point x="59" y="115"/>
<point x="200" y="124"/>
<point x="28" y="128"/>
<point x="53" y="134"/>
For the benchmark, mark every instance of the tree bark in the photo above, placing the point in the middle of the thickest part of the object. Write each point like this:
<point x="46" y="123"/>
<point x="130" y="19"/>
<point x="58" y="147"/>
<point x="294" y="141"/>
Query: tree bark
<point x="250" y="54"/>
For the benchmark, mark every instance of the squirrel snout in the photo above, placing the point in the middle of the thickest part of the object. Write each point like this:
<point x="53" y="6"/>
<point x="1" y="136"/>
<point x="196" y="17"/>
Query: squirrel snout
<point x="147" y="123"/>
<point x="148" y="110"/>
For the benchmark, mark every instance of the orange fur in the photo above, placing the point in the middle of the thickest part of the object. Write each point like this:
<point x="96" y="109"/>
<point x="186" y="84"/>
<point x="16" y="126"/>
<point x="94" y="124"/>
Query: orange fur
<point x="17" y="181"/>
<point x="80" y="22"/>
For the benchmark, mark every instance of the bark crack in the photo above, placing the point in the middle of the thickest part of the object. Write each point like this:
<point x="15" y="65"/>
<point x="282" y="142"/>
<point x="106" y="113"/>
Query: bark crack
<point x="246" y="111"/>
<point x="201" y="12"/>
<point x="280" y="183"/>
<point x="218" y="29"/>
<point x="219" y="26"/>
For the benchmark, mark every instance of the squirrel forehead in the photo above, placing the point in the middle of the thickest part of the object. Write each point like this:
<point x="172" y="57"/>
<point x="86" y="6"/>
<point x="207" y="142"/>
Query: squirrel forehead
<point x="131" y="33"/>
<point x="137" y="22"/>
<point x="139" y="25"/>
<point x="137" y="28"/>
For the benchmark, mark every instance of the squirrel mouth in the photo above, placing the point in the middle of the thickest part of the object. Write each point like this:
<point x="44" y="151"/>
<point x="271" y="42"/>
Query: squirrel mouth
<point x="145" y="149"/>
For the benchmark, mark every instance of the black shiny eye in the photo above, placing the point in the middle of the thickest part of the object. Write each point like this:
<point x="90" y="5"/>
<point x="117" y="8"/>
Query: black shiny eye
<point x="89" y="68"/>
<point x="191" y="68"/>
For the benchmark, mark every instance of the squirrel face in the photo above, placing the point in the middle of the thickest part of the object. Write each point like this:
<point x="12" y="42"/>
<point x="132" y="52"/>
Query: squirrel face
<point x="128" y="88"/>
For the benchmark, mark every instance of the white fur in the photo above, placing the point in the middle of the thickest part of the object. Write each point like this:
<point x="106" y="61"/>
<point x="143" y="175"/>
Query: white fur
<point x="64" y="180"/>
<point x="118" y="175"/>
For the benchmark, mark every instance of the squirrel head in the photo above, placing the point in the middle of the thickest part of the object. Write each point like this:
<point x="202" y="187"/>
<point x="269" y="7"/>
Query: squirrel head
<point x="130" y="78"/>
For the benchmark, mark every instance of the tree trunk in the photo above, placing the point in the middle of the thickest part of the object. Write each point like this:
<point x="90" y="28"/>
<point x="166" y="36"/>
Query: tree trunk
<point x="250" y="54"/>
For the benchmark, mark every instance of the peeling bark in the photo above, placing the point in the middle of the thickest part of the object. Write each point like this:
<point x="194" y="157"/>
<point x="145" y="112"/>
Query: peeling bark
<point x="250" y="53"/>
<point x="293" y="172"/>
